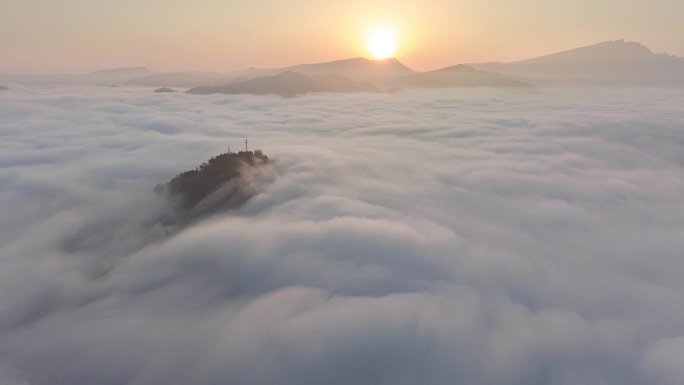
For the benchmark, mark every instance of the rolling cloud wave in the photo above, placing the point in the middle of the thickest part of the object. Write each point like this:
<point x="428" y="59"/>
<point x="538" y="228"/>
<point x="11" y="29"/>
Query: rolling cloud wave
<point x="461" y="236"/>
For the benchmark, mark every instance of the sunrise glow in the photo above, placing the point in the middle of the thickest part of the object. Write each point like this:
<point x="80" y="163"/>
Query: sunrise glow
<point x="382" y="42"/>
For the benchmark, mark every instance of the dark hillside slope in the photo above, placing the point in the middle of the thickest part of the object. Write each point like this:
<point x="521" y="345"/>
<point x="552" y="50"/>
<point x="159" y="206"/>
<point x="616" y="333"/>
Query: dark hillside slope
<point x="222" y="182"/>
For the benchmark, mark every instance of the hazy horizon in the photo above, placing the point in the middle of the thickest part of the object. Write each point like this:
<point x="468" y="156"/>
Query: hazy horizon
<point x="71" y="36"/>
<point x="625" y="44"/>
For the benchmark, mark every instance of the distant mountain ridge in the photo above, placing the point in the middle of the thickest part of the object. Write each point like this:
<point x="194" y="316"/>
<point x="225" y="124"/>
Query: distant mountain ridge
<point x="616" y="62"/>
<point x="104" y="77"/>
<point x="458" y="76"/>
<point x="288" y="84"/>
<point x="181" y="79"/>
<point x="611" y="62"/>
<point x="355" y="69"/>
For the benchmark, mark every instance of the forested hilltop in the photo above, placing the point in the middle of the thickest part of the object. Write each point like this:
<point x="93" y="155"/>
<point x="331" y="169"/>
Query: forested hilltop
<point x="221" y="182"/>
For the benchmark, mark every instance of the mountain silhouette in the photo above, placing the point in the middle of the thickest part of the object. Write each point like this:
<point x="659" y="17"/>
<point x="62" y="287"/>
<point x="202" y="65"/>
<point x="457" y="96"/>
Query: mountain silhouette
<point x="607" y="63"/>
<point x="610" y="62"/>
<point x="355" y="69"/>
<point x="3" y="88"/>
<point x="288" y="84"/>
<point x="457" y="76"/>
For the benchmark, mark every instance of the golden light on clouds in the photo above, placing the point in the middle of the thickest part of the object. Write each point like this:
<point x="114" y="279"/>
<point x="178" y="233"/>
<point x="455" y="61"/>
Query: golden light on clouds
<point x="382" y="41"/>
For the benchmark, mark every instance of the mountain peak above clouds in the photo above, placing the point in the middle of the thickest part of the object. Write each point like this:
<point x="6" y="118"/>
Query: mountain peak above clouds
<point x="222" y="182"/>
<point x="616" y="62"/>
<point x="354" y="68"/>
<point x="458" y="76"/>
<point x="613" y="62"/>
<point x="289" y="84"/>
<point x="286" y="84"/>
<point x="607" y="51"/>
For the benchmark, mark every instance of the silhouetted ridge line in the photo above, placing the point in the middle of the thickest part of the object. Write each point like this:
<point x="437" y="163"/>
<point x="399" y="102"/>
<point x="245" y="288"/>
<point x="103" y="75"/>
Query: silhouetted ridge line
<point x="617" y="63"/>
<point x="355" y="68"/>
<point x="289" y="84"/>
<point x="458" y="76"/>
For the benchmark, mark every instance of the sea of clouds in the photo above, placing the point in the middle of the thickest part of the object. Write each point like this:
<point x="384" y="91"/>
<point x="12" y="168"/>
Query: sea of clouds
<point x="471" y="236"/>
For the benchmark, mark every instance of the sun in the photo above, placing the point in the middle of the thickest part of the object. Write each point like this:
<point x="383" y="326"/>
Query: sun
<point x="381" y="42"/>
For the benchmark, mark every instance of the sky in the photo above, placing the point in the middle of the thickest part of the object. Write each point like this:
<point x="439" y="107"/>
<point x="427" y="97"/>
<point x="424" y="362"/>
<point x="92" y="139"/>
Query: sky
<point x="77" y="36"/>
<point x="464" y="236"/>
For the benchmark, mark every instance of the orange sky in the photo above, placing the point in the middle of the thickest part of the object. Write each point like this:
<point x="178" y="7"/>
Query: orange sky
<point x="42" y="36"/>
